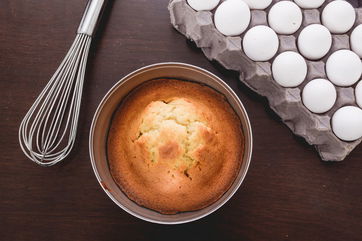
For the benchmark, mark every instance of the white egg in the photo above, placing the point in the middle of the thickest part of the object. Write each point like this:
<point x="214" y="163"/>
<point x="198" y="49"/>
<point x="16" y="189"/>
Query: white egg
<point x="338" y="16"/>
<point x="309" y="3"/>
<point x="314" y="41"/>
<point x="285" y="17"/>
<point x="203" y="5"/>
<point x="358" y="93"/>
<point x="232" y="17"/>
<point x="319" y="95"/>
<point x="260" y="43"/>
<point x="344" y="68"/>
<point x="289" y="69"/>
<point x="356" y="40"/>
<point x="258" y="4"/>
<point x="347" y="123"/>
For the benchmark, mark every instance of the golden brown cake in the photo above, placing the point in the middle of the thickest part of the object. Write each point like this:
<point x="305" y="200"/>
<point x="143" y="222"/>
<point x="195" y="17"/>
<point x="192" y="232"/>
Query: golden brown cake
<point x="175" y="146"/>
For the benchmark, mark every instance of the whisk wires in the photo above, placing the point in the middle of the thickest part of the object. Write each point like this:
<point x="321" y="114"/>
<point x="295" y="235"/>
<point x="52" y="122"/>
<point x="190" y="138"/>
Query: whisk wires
<point x="47" y="132"/>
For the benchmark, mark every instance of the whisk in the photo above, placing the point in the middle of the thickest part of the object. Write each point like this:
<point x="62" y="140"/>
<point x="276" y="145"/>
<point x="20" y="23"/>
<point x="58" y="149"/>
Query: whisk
<point x="48" y="130"/>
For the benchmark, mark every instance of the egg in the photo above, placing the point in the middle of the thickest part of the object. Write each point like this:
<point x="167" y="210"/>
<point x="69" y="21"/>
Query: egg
<point x="347" y="123"/>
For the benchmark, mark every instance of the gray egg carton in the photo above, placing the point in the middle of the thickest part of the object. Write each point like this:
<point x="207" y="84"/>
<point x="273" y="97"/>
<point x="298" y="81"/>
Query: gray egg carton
<point x="286" y="102"/>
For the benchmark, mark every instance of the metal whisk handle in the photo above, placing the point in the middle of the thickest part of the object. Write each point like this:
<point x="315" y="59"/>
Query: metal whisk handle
<point x="91" y="17"/>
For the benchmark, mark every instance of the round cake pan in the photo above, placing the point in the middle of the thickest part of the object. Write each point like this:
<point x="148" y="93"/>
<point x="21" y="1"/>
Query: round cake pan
<point x="101" y="123"/>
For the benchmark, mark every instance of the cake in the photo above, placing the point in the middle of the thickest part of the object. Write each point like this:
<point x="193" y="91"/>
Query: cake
<point x="304" y="56"/>
<point x="174" y="145"/>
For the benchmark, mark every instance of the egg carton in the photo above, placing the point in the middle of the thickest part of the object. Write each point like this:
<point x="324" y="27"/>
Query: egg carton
<point x="316" y="129"/>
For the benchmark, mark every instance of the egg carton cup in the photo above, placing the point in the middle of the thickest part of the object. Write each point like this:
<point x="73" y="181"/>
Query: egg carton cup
<point x="286" y="102"/>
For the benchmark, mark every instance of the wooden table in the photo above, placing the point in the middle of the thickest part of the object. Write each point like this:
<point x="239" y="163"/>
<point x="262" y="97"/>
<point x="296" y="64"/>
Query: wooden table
<point x="288" y="194"/>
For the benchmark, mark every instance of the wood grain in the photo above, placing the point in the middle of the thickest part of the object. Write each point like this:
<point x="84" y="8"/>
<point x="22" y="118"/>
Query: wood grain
<point x="289" y="194"/>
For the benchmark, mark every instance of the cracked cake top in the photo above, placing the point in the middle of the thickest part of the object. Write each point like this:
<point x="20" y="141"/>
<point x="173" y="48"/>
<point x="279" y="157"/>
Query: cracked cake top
<point x="174" y="145"/>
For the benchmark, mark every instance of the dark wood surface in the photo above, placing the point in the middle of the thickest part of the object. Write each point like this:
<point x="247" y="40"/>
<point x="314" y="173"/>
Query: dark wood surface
<point x="288" y="194"/>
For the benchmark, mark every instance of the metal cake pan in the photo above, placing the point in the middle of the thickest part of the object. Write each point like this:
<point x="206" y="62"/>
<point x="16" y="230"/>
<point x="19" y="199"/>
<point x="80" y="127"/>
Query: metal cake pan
<point x="103" y="117"/>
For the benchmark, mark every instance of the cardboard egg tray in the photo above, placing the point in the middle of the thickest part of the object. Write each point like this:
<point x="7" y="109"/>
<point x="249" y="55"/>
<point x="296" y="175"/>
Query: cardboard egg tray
<point x="286" y="102"/>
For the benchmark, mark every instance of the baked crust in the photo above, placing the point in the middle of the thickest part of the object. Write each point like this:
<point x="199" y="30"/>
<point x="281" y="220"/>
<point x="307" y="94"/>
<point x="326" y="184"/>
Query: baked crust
<point x="175" y="146"/>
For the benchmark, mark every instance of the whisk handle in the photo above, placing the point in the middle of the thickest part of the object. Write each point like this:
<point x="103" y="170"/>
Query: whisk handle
<point x="91" y="16"/>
